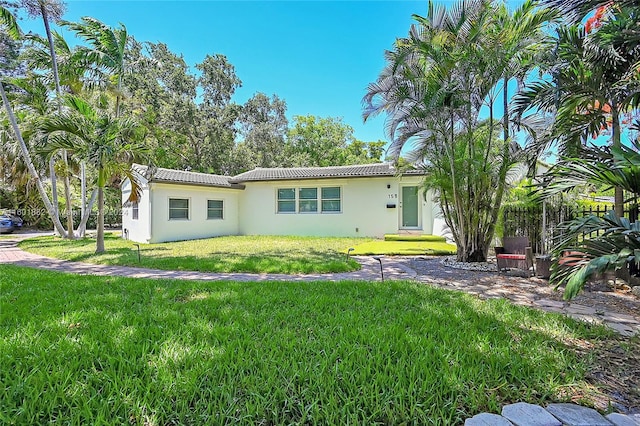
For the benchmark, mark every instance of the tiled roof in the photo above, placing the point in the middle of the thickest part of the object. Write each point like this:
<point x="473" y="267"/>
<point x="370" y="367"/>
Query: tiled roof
<point x="259" y="174"/>
<point x="294" y="173"/>
<point x="180" y="176"/>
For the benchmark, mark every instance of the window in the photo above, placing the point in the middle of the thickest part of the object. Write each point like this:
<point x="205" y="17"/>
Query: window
<point x="308" y="200"/>
<point x="134" y="211"/>
<point x="214" y="209"/>
<point x="178" y="208"/>
<point x="286" y="200"/>
<point x="331" y="200"/>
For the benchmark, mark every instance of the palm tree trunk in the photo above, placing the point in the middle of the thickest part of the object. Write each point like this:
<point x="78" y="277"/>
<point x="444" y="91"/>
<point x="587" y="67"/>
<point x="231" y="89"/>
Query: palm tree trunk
<point x="52" y="51"/>
<point x="615" y="135"/>
<point x="56" y="80"/>
<point x="54" y="185"/>
<point x="27" y="159"/>
<point x="100" y="235"/>
<point x="86" y="213"/>
<point x="69" y="208"/>
<point x="83" y="198"/>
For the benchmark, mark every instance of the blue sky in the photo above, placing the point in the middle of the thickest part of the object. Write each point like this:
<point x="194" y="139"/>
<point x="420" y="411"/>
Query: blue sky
<point x="318" y="56"/>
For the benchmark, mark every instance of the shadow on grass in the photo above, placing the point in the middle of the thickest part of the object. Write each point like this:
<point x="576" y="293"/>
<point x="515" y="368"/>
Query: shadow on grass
<point x="329" y="353"/>
<point x="164" y="256"/>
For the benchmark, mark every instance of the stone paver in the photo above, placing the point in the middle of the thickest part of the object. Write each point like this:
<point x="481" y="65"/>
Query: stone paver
<point x="486" y="419"/>
<point x="576" y="415"/>
<point x="532" y="292"/>
<point x="621" y="420"/>
<point x="523" y="414"/>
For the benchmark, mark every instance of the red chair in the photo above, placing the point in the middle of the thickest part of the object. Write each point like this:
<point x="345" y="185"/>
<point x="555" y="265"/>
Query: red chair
<point x="515" y="252"/>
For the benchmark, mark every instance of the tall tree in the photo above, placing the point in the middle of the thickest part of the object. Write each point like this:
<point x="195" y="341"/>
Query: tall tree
<point x="263" y="124"/>
<point x="9" y="20"/>
<point x="104" y="57"/>
<point x="163" y="94"/>
<point x="595" y="82"/>
<point x="216" y="130"/>
<point x="433" y="89"/>
<point x="48" y="10"/>
<point x="104" y="61"/>
<point x="110" y="144"/>
<point x="326" y="141"/>
<point x="53" y="10"/>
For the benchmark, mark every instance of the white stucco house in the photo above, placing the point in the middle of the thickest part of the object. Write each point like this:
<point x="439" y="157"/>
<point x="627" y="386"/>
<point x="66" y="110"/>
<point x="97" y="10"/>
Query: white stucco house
<point x="363" y="200"/>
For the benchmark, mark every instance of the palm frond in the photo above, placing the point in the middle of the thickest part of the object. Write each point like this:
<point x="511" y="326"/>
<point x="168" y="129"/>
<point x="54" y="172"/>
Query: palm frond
<point x="9" y="21"/>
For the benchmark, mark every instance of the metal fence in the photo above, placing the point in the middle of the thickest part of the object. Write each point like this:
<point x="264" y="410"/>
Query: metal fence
<point x="531" y="221"/>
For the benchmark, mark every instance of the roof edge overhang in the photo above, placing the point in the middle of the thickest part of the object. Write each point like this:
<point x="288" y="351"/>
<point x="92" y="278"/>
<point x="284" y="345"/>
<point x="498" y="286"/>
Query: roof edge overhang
<point x="279" y="179"/>
<point x="208" y="185"/>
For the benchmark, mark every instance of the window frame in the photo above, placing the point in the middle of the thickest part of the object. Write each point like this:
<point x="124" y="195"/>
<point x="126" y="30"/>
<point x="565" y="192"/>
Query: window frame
<point x="307" y="201"/>
<point x="286" y="200"/>
<point x="297" y="200"/>
<point x="188" y="208"/>
<point x="322" y="199"/>
<point x="220" y="209"/>
<point x="135" y="210"/>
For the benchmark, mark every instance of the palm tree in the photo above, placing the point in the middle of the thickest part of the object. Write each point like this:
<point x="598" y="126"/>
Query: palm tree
<point x="47" y="10"/>
<point x="9" y="20"/>
<point x="617" y="240"/>
<point x="106" y="51"/>
<point x="29" y="163"/>
<point x="53" y="10"/>
<point x="593" y="86"/>
<point x="434" y="85"/>
<point x="108" y="144"/>
<point x="71" y="72"/>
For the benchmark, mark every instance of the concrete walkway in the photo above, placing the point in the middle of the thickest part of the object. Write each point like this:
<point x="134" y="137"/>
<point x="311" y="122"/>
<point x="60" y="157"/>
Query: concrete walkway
<point x="528" y="292"/>
<point x="10" y="253"/>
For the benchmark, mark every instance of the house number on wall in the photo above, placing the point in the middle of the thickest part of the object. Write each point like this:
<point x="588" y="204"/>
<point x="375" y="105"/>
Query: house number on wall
<point x="393" y="195"/>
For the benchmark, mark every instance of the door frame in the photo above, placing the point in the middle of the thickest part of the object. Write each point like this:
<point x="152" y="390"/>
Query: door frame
<point x="418" y="208"/>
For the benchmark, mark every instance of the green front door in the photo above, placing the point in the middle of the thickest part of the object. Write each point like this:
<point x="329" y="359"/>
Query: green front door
<point x="409" y="206"/>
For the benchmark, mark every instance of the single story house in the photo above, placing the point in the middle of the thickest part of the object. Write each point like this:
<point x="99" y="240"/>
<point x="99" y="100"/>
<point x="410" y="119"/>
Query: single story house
<point x="356" y="201"/>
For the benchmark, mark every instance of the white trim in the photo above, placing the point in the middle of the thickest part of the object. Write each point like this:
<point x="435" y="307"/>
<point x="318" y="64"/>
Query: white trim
<point x="182" y="219"/>
<point x="222" y="209"/>
<point x="418" y="227"/>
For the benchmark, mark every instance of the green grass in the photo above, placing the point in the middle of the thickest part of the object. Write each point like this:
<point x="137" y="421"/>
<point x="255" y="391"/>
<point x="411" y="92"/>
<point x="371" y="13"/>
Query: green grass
<point x="409" y="237"/>
<point x="112" y="350"/>
<point x="254" y="254"/>
<point x="405" y="248"/>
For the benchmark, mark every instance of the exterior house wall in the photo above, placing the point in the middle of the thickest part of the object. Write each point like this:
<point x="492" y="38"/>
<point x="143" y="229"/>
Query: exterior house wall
<point x="136" y="229"/>
<point x="154" y="226"/>
<point x="363" y="203"/>
<point x="197" y="225"/>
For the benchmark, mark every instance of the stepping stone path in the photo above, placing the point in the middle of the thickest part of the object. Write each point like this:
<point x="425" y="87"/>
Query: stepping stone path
<point x="523" y="414"/>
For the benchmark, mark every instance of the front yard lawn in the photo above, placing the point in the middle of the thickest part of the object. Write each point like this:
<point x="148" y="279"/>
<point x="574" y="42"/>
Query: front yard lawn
<point x="255" y="254"/>
<point x="112" y="350"/>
